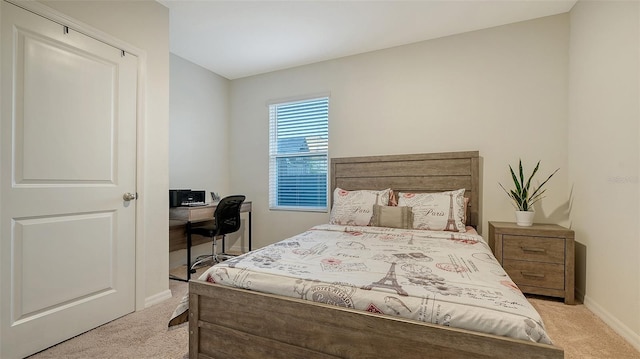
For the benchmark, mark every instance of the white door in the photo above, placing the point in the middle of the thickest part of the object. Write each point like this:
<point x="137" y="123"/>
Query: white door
<point x="67" y="157"/>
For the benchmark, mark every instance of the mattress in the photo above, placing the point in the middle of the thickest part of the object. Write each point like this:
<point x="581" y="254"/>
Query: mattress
<point x="445" y="278"/>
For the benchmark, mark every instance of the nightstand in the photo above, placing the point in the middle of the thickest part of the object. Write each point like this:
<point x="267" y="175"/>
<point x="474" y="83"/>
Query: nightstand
<point x="539" y="259"/>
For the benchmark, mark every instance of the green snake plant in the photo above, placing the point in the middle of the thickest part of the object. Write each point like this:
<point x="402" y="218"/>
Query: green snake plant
<point x="523" y="197"/>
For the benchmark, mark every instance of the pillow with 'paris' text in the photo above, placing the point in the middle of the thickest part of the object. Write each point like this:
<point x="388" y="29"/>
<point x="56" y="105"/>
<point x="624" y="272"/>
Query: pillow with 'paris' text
<point x="439" y="211"/>
<point x="355" y="208"/>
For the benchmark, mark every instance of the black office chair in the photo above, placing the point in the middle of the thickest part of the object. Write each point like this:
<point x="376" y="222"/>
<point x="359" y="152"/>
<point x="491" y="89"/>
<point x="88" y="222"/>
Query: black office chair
<point x="226" y="220"/>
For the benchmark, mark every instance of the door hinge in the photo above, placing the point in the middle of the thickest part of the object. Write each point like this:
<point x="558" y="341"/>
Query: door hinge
<point x="65" y="29"/>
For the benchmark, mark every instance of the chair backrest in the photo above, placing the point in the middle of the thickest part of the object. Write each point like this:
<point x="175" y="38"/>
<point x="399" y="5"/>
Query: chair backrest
<point x="227" y="214"/>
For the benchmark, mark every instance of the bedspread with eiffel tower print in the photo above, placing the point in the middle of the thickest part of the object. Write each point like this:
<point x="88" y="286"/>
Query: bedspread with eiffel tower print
<point x="444" y="278"/>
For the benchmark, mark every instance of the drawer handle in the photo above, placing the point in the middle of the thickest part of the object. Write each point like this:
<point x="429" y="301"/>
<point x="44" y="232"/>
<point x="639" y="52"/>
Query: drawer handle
<point x="530" y="274"/>
<point x="535" y="250"/>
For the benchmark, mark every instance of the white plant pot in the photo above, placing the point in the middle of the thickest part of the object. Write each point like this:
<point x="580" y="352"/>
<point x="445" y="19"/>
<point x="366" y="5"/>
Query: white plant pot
<point x="524" y="218"/>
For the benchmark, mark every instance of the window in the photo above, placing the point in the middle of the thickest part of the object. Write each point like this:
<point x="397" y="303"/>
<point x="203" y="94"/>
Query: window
<point x="298" y="154"/>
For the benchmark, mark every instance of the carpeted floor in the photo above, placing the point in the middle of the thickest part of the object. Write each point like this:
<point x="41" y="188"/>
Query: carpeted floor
<point x="144" y="334"/>
<point x="139" y="335"/>
<point x="580" y="333"/>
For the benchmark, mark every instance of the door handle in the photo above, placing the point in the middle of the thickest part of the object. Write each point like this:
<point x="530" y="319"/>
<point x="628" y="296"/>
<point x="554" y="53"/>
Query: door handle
<point x="129" y="196"/>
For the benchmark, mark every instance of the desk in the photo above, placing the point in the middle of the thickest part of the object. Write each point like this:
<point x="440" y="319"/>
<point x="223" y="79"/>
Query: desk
<point x="182" y="218"/>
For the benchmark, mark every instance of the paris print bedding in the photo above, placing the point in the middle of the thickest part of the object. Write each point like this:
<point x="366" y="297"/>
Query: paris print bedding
<point x="445" y="278"/>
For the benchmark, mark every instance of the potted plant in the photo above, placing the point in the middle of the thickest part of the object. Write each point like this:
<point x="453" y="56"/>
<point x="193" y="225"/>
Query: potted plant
<point x="523" y="196"/>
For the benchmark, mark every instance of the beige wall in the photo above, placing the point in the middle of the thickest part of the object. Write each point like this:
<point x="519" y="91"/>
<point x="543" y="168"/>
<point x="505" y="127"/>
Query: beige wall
<point x="604" y="115"/>
<point x="198" y="135"/>
<point x="502" y="91"/>
<point x="198" y="127"/>
<point x="562" y="89"/>
<point x="145" y="25"/>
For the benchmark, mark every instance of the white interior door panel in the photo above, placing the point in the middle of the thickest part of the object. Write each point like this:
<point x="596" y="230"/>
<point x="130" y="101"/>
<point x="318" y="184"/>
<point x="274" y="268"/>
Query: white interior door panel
<point x="67" y="156"/>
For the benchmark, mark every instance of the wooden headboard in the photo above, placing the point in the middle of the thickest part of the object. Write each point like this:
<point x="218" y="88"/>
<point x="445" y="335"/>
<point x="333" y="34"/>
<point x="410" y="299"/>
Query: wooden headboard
<point x="427" y="172"/>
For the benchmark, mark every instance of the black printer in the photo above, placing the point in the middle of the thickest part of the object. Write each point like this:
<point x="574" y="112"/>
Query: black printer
<point x="186" y="197"/>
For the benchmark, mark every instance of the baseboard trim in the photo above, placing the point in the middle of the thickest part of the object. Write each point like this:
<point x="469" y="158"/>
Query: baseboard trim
<point x="629" y="335"/>
<point x="157" y="298"/>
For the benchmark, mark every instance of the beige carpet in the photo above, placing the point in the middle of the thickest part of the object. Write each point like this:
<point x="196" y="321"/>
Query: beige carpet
<point x="580" y="333"/>
<point x="144" y="334"/>
<point x="139" y="335"/>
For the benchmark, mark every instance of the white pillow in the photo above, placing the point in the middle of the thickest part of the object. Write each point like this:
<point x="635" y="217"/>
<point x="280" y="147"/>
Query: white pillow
<point x="355" y="208"/>
<point x="440" y="211"/>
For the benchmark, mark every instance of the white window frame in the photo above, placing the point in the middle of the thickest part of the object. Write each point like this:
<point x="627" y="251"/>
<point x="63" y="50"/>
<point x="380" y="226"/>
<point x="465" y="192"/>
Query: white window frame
<point x="322" y="149"/>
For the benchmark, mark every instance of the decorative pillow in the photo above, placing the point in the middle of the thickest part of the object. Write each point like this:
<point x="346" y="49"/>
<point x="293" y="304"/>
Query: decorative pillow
<point x="355" y="208"/>
<point x="393" y="200"/>
<point x="441" y="211"/>
<point x="393" y="217"/>
<point x="466" y="208"/>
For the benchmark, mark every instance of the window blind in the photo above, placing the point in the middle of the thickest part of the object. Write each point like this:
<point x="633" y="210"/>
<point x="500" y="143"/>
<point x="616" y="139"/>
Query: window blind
<point x="298" y="154"/>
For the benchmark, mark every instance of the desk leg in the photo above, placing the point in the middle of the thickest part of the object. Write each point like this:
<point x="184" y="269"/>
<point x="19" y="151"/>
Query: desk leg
<point x="249" y="231"/>
<point x="188" y="228"/>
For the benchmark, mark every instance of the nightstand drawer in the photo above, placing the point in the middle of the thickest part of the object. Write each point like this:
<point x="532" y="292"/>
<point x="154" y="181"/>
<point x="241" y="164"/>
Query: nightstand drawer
<point x="536" y="274"/>
<point x="541" y="249"/>
<point x="540" y="259"/>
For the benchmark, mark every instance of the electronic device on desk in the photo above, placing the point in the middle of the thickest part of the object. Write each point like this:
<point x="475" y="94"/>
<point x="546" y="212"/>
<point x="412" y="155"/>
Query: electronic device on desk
<point x="194" y="204"/>
<point x="186" y="197"/>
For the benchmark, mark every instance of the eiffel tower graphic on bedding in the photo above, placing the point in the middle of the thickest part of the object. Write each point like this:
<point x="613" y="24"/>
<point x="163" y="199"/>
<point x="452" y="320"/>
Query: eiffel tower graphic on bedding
<point x="389" y="282"/>
<point x="451" y="222"/>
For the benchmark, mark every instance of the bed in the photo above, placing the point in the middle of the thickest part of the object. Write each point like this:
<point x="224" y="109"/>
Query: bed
<point x="328" y="320"/>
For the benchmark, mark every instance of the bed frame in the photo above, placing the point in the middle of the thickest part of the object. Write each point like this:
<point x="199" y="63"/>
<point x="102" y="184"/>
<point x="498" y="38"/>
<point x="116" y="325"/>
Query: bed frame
<point x="227" y="322"/>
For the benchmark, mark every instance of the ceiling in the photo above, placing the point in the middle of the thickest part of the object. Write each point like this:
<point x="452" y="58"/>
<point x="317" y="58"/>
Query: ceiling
<point x="236" y="39"/>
